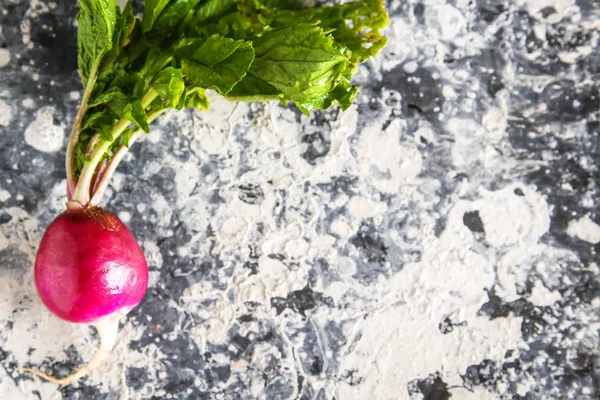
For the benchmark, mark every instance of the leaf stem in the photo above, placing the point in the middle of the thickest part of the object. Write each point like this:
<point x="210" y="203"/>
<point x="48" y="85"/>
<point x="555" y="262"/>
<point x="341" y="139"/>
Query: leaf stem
<point x="110" y="169"/>
<point x="82" y="191"/>
<point x="76" y="130"/>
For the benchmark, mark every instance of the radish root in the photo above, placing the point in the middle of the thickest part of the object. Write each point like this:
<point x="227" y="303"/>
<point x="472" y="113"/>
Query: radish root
<point x="107" y="330"/>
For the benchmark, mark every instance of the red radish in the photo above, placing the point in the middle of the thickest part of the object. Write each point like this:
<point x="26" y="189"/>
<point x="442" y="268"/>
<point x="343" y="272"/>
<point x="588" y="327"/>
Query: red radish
<point x="90" y="269"/>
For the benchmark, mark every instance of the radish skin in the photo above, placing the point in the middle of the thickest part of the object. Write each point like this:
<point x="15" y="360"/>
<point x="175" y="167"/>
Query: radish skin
<point x="89" y="266"/>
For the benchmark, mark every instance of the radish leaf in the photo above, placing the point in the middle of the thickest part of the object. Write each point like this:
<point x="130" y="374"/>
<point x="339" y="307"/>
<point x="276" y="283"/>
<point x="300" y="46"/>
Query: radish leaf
<point x="167" y="23"/>
<point x="219" y="63"/>
<point x="152" y="9"/>
<point x="301" y="61"/>
<point x="212" y="10"/>
<point x="169" y="84"/>
<point x="197" y="100"/>
<point x="250" y="50"/>
<point x="97" y="20"/>
<point x="135" y="113"/>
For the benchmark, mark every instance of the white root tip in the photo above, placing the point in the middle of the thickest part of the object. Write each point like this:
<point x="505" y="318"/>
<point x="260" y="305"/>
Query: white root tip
<point x="107" y="330"/>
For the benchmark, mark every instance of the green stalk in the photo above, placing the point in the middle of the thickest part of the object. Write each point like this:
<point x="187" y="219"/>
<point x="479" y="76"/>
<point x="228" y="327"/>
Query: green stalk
<point x="76" y="130"/>
<point x="82" y="190"/>
<point x="114" y="162"/>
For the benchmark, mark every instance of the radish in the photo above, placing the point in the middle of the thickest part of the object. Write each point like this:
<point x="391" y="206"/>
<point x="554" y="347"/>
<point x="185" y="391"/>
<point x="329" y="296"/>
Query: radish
<point x="89" y="268"/>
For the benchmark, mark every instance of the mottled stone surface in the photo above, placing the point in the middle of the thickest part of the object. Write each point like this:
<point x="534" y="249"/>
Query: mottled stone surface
<point x="438" y="240"/>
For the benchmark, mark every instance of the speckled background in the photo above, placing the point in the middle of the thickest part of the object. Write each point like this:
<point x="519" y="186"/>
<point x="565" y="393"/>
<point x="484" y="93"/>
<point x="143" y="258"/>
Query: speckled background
<point x="438" y="240"/>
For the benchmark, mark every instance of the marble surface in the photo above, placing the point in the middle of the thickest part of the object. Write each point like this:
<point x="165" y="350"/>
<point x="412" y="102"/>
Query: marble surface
<point x="438" y="240"/>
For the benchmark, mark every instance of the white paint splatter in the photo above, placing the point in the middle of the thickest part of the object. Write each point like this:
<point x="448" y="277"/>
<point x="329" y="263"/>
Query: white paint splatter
<point x="28" y="103"/>
<point x="448" y="20"/>
<point x="561" y="8"/>
<point x="42" y="134"/>
<point x="4" y="195"/>
<point x="4" y="57"/>
<point x="402" y="341"/>
<point x="541" y="296"/>
<point x="57" y="200"/>
<point x="510" y="219"/>
<point x="6" y="113"/>
<point x="384" y="160"/>
<point x="125" y="216"/>
<point x="585" y="229"/>
<point x="411" y="67"/>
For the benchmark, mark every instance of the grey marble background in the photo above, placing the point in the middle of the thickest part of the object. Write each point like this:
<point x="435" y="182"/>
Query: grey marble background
<point x="439" y="240"/>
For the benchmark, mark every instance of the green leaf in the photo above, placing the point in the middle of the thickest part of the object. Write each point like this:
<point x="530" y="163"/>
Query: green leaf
<point x="219" y="63"/>
<point x="301" y="61"/>
<point x="210" y="51"/>
<point x="96" y="26"/>
<point x="156" y="60"/>
<point x="126" y="135"/>
<point x="197" y="99"/>
<point x="233" y="25"/>
<point x="315" y="77"/>
<point x="157" y="104"/>
<point x="211" y="10"/>
<point x="134" y="112"/>
<point x="168" y="22"/>
<point x="115" y="100"/>
<point x="216" y="49"/>
<point x="250" y="50"/>
<point x="130" y="22"/>
<point x="106" y="134"/>
<point x="105" y="97"/>
<point x="80" y="158"/>
<point x="354" y="25"/>
<point x="127" y="82"/>
<point x="343" y="95"/>
<point x="114" y="146"/>
<point x="107" y="65"/>
<point x="181" y="103"/>
<point x="176" y="90"/>
<point x="137" y="47"/>
<point x="152" y="9"/>
<point x="283" y="4"/>
<point x="98" y="120"/>
<point x="169" y="84"/>
<point x="252" y="88"/>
